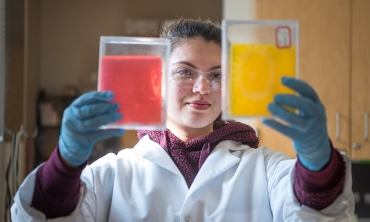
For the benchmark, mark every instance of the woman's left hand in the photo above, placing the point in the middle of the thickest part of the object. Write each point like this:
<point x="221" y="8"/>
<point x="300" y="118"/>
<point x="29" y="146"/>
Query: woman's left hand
<point x="307" y="127"/>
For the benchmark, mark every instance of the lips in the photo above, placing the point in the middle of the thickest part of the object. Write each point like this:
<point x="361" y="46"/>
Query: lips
<point x="199" y="104"/>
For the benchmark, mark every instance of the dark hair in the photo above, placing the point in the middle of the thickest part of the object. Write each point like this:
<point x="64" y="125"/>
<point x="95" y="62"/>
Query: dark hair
<point x="183" y="29"/>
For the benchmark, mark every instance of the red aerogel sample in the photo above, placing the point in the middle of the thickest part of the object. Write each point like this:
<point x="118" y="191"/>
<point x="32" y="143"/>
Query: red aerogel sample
<point x="136" y="84"/>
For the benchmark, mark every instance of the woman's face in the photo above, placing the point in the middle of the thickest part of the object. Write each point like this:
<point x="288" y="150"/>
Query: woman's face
<point x="197" y="107"/>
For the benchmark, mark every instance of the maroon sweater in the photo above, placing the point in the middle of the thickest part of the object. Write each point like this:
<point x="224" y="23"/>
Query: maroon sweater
<point x="57" y="185"/>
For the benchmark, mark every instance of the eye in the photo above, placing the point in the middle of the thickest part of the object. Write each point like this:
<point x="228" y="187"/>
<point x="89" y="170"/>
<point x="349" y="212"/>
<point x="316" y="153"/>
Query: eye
<point x="215" y="75"/>
<point x="186" y="73"/>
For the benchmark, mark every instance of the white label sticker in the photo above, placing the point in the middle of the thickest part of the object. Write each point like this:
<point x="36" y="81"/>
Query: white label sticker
<point x="283" y="37"/>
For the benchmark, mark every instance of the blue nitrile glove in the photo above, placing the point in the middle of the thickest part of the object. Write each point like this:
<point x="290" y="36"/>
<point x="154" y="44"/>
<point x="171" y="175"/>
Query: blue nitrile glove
<point x="307" y="129"/>
<point x="80" y="124"/>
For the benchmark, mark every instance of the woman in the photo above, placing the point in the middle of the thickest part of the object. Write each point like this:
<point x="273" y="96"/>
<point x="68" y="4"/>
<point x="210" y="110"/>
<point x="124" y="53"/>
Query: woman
<point x="200" y="168"/>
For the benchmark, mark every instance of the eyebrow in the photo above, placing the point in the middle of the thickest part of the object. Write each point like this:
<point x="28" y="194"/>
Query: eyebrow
<point x="193" y="66"/>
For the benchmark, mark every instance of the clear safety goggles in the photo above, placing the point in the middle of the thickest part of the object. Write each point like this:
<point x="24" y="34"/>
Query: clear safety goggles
<point x="188" y="77"/>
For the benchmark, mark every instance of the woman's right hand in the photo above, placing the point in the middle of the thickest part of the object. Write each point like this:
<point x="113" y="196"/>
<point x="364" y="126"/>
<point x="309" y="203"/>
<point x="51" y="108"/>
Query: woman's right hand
<point x="81" y="122"/>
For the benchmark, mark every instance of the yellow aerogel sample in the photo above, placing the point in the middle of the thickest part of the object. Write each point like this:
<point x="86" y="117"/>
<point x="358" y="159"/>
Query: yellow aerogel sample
<point x="255" y="77"/>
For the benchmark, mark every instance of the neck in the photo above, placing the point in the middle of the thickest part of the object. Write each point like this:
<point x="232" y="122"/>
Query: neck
<point x="186" y="133"/>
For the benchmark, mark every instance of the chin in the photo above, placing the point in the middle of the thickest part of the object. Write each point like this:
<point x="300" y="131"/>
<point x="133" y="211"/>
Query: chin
<point x="191" y="120"/>
<point x="199" y="123"/>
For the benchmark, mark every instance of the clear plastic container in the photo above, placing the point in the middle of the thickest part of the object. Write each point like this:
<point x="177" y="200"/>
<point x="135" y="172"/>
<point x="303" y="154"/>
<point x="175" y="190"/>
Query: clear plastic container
<point x="255" y="55"/>
<point x="135" y="70"/>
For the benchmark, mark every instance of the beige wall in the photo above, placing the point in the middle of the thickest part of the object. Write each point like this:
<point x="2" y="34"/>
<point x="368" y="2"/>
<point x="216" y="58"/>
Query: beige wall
<point x="238" y="9"/>
<point x="70" y="31"/>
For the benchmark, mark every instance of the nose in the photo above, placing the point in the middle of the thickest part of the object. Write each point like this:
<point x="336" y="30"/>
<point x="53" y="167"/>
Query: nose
<point x="201" y="86"/>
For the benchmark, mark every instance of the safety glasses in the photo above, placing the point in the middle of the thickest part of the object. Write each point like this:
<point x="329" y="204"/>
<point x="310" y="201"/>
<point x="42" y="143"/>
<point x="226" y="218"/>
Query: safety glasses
<point x="188" y="77"/>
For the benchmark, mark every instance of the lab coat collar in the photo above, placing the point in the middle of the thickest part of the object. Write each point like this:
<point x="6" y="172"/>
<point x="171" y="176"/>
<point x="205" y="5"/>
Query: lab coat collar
<point x="220" y="160"/>
<point x="153" y="152"/>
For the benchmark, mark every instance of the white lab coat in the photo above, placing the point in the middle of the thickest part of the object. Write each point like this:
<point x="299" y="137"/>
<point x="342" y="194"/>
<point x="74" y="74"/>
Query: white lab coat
<point x="236" y="183"/>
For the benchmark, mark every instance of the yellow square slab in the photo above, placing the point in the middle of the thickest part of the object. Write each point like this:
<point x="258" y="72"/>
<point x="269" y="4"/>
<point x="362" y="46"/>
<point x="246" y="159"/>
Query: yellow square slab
<point x="255" y="77"/>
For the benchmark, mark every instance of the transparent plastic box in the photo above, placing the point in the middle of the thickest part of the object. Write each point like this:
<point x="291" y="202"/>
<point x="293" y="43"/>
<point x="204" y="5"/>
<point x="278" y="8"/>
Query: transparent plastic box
<point x="255" y="55"/>
<point x="135" y="69"/>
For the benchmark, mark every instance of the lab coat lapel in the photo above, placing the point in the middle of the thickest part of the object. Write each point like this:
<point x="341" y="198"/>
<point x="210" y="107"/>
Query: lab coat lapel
<point x="157" y="155"/>
<point x="220" y="160"/>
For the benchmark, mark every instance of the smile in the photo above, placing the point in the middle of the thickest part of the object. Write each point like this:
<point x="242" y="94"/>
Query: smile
<point x="201" y="105"/>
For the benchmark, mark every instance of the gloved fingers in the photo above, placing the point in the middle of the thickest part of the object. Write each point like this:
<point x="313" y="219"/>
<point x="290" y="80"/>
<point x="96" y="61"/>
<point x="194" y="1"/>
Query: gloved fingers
<point x="292" y="119"/>
<point x="93" y="97"/>
<point x="305" y="106"/>
<point x="92" y="110"/>
<point x="101" y="120"/>
<point x="94" y="123"/>
<point x="301" y="87"/>
<point x="285" y="130"/>
<point x="106" y="134"/>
